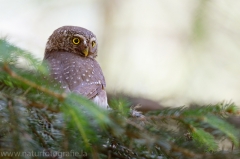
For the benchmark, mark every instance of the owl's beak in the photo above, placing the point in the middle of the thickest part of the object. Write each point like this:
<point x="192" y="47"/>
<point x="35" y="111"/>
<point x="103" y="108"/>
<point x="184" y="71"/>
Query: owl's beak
<point x="85" y="51"/>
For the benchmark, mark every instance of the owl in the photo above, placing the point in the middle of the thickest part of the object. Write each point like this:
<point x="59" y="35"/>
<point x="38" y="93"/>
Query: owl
<point x="70" y="52"/>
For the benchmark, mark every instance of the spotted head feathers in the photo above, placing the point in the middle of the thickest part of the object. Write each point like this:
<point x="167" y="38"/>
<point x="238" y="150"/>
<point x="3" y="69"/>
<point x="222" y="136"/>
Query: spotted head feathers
<point x="73" y="39"/>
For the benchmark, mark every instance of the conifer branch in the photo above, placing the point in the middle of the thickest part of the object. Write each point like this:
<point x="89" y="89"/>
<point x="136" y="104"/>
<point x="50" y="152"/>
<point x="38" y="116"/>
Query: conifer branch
<point x="60" y="97"/>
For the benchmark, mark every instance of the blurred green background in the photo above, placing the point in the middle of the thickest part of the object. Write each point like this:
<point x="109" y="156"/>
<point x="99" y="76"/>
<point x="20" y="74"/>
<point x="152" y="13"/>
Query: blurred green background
<point x="174" y="52"/>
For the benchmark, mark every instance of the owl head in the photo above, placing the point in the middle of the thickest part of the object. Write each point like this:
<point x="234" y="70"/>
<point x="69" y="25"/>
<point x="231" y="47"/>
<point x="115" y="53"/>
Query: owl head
<point x="72" y="39"/>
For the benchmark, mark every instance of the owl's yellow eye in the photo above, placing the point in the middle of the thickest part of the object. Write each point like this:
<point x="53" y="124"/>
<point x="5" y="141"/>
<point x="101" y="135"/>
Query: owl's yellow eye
<point x="93" y="43"/>
<point x="76" y="41"/>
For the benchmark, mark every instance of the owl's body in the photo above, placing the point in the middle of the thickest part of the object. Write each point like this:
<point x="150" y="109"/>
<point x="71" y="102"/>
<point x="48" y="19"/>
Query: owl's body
<point x="73" y="65"/>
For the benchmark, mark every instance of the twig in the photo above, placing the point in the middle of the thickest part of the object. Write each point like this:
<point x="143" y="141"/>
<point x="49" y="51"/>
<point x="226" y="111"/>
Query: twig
<point x="32" y="104"/>
<point x="51" y="135"/>
<point x="43" y="106"/>
<point x="60" y="97"/>
<point x="41" y="140"/>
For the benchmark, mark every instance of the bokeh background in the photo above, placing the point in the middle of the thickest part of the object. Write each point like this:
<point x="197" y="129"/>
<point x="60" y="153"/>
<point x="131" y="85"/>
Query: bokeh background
<point x="173" y="52"/>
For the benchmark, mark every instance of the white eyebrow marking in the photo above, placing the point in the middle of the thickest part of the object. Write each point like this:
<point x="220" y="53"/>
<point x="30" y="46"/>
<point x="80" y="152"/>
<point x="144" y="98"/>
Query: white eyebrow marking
<point x="93" y="39"/>
<point x="65" y="32"/>
<point x="82" y="38"/>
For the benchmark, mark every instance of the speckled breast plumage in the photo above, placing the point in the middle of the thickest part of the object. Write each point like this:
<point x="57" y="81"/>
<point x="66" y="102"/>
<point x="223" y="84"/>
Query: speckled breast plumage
<point x="77" y="74"/>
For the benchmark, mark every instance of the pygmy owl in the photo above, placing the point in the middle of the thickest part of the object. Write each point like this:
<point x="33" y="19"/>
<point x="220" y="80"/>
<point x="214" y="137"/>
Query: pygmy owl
<point x="70" y="52"/>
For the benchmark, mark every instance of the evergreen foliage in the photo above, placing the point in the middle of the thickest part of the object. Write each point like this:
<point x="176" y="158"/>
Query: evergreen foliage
<point x="39" y="120"/>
